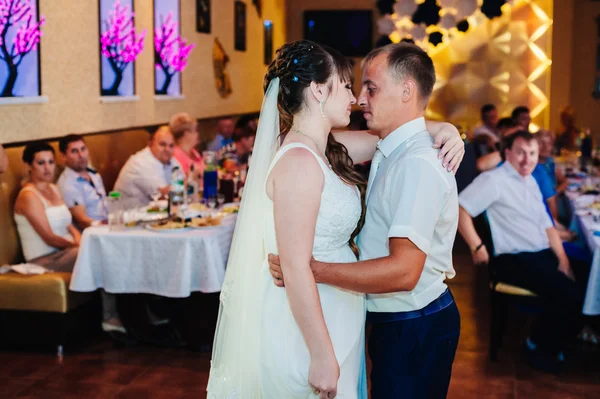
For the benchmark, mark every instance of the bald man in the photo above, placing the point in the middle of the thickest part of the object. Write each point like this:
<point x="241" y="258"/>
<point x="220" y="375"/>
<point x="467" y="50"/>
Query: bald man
<point x="149" y="171"/>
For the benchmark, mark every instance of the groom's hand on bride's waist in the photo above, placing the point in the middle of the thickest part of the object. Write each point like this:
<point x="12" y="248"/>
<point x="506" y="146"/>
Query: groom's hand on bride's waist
<point x="277" y="273"/>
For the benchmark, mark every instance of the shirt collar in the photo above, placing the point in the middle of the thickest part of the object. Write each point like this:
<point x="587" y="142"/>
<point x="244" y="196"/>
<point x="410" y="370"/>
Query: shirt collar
<point x="512" y="172"/>
<point x="71" y="174"/>
<point x="401" y="135"/>
<point x="149" y="155"/>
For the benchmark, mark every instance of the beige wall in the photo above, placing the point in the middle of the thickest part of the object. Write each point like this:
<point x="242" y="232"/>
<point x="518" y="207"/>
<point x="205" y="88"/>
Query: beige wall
<point x="562" y="53"/>
<point x="583" y="66"/>
<point x="70" y="77"/>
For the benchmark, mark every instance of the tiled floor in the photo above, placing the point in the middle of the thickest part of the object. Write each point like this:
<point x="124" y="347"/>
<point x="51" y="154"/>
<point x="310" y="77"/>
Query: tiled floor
<point x="97" y="370"/>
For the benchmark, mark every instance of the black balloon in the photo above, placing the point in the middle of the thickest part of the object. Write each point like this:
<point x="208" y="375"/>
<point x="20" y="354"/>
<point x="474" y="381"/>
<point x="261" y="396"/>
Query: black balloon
<point x="385" y="6"/>
<point x="435" y="38"/>
<point x="492" y="8"/>
<point x="427" y="13"/>
<point x="383" y="41"/>
<point x="463" y="26"/>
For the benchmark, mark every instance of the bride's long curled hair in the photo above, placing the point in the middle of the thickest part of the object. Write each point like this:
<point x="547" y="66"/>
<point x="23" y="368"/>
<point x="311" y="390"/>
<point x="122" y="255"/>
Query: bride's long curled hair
<point x="296" y="65"/>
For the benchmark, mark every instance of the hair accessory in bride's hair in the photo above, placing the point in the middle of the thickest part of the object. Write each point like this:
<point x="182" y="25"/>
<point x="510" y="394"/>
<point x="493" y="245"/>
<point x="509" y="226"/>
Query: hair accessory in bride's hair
<point x="295" y="78"/>
<point x="295" y="60"/>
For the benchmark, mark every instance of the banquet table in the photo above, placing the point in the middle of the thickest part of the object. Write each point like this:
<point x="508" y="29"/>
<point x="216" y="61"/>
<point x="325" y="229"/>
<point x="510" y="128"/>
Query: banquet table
<point x="584" y="225"/>
<point x="166" y="263"/>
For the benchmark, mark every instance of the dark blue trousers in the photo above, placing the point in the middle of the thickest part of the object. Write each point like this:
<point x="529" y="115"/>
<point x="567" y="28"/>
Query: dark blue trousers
<point x="413" y="358"/>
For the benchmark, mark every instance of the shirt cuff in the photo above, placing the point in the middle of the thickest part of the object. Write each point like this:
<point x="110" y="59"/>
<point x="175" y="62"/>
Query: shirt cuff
<point x="408" y="232"/>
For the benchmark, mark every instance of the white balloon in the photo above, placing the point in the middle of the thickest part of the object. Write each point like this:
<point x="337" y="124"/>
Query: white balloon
<point x="465" y="8"/>
<point x="447" y="21"/>
<point x="405" y="7"/>
<point x="418" y="32"/>
<point x="385" y="26"/>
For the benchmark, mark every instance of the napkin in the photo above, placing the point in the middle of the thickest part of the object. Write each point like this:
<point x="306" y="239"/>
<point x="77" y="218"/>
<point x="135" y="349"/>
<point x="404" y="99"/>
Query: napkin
<point x="24" y="268"/>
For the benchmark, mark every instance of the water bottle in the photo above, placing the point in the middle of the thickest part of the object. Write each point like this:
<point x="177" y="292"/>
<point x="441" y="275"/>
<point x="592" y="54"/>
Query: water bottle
<point x="211" y="176"/>
<point x="115" y="211"/>
<point x="176" y="190"/>
<point x="192" y="186"/>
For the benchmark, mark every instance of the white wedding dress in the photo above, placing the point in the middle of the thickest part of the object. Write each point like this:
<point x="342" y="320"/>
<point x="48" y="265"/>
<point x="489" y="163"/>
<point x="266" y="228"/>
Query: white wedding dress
<point x="259" y="351"/>
<point x="284" y="356"/>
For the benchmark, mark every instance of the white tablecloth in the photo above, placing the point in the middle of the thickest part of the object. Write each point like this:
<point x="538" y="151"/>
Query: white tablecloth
<point x="585" y="226"/>
<point x="162" y="263"/>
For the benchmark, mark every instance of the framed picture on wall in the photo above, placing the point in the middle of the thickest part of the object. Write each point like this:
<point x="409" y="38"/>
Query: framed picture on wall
<point x="19" y="54"/>
<point x="203" y="16"/>
<point x="268" y="34"/>
<point x="240" y="25"/>
<point x="171" y="51"/>
<point x="120" y="45"/>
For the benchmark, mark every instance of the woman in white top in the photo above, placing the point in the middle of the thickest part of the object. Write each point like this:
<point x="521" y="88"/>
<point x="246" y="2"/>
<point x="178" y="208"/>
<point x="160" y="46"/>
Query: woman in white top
<point x="44" y="222"/>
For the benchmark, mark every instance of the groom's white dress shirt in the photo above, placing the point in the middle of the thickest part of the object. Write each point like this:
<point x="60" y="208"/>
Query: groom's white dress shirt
<point x="411" y="196"/>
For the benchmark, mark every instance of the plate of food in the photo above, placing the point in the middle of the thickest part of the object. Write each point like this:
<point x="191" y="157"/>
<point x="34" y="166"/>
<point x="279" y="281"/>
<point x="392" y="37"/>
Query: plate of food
<point x="168" y="226"/>
<point x="231" y="208"/>
<point x="205" y="222"/>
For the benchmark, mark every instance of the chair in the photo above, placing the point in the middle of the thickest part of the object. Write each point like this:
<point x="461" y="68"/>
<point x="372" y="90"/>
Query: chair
<point x="502" y="296"/>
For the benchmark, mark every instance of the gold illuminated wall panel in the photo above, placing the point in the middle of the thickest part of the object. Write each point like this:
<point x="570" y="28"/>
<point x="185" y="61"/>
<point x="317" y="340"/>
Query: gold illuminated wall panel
<point x="505" y="61"/>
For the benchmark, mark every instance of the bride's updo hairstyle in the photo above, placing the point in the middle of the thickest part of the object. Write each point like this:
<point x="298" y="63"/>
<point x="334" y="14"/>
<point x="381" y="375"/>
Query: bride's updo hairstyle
<point x="296" y="65"/>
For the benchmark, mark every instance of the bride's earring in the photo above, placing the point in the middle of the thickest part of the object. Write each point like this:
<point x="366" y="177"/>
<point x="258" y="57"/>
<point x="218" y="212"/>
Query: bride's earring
<point x="321" y="106"/>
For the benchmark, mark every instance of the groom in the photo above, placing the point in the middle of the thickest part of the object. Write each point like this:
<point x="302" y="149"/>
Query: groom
<point x="406" y="243"/>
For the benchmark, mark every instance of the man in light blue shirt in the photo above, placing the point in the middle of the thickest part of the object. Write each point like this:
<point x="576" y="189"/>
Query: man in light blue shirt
<point x="224" y="136"/>
<point x="81" y="186"/>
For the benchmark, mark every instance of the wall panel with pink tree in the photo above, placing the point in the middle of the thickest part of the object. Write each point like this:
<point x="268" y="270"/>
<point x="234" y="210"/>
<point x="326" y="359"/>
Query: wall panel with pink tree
<point x="171" y="51"/>
<point x="20" y="33"/>
<point x="120" y="45"/>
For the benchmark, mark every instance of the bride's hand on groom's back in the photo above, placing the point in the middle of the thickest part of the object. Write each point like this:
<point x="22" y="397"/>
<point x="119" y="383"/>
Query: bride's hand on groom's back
<point x="451" y="145"/>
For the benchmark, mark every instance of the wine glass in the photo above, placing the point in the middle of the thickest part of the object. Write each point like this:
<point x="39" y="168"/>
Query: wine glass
<point x="221" y="200"/>
<point x="212" y="203"/>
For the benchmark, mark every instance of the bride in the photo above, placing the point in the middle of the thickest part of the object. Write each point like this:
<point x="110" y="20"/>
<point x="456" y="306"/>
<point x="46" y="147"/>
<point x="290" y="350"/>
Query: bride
<point x="302" y="199"/>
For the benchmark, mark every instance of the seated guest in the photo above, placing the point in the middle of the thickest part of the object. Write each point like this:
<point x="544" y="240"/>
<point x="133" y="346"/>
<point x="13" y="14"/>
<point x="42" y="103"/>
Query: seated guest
<point x="148" y="173"/>
<point x="185" y="131"/>
<point x="3" y="160"/>
<point x="81" y="186"/>
<point x="248" y="120"/>
<point x="505" y="127"/>
<point x="529" y="251"/>
<point x="568" y="138"/>
<point x="521" y="117"/>
<point x="545" y="139"/>
<point x="238" y="156"/>
<point x="44" y="223"/>
<point x="224" y="135"/>
<point x="493" y="160"/>
<point x="489" y="120"/>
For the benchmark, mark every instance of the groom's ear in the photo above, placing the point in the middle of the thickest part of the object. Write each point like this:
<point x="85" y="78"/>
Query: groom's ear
<point x="409" y="90"/>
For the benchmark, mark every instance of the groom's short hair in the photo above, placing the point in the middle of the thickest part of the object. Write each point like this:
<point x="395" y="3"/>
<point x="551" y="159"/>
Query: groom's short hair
<point x="407" y="60"/>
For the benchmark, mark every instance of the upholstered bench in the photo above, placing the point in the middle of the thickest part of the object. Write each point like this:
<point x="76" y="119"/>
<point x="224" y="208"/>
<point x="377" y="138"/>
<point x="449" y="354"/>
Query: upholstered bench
<point x="40" y="309"/>
<point x="40" y="293"/>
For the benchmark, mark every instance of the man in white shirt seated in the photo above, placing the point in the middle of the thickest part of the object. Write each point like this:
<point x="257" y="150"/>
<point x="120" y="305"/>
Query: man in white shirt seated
<point x="529" y="253"/>
<point x="81" y="186"/>
<point x="148" y="172"/>
<point x="489" y="120"/>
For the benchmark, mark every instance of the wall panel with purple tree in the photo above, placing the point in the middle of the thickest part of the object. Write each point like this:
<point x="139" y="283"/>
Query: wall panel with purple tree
<point x="171" y="51"/>
<point x="20" y="33"/>
<point x="120" y="45"/>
